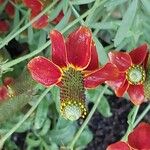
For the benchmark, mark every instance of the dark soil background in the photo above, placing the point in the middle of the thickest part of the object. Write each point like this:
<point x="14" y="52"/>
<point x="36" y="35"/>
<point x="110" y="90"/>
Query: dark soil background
<point x="112" y="129"/>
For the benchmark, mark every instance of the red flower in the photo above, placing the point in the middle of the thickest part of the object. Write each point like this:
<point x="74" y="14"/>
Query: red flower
<point x="74" y="65"/>
<point x="36" y="7"/>
<point x="137" y="140"/>
<point x="4" y="26"/>
<point x="4" y="89"/>
<point x="132" y="74"/>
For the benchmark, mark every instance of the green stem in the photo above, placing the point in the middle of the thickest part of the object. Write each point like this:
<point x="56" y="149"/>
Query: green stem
<point x="27" y="25"/>
<point x="7" y="135"/>
<point x="87" y="119"/>
<point x="131" y="120"/>
<point x="146" y="110"/>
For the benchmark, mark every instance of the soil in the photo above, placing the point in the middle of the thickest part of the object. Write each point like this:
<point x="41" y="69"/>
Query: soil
<point x="112" y="129"/>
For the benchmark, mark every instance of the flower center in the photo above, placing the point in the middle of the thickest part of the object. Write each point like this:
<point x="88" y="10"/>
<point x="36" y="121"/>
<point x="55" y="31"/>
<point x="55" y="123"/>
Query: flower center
<point x="135" y="75"/>
<point x="72" y="95"/>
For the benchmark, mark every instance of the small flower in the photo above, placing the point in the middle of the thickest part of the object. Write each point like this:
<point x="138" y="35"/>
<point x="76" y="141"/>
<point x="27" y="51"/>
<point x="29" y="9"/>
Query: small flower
<point x="74" y="67"/>
<point x="36" y="7"/>
<point x="5" y="90"/>
<point x="4" y="26"/>
<point x="10" y="10"/>
<point x="132" y="73"/>
<point x="137" y="140"/>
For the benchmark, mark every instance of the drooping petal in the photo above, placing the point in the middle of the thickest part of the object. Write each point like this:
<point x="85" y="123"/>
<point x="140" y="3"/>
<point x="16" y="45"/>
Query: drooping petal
<point x="35" y="5"/>
<point x="41" y="23"/>
<point x="78" y="47"/>
<point x="119" y="82"/>
<point x="94" y="64"/>
<point x="139" y="54"/>
<point x="3" y="93"/>
<point x="118" y="146"/>
<point x="59" y="55"/>
<point x="140" y="137"/>
<point x="120" y="91"/>
<point x="4" y="26"/>
<point x="121" y="59"/>
<point x="107" y="73"/>
<point x="136" y="93"/>
<point x="44" y="71"/>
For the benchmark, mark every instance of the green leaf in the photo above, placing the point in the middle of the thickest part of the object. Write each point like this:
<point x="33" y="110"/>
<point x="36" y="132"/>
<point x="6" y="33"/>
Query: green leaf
<point x="104" y="107"/>
<point x="85" y="137"/>
<point x="64" y="21"/>
<point x="41" y="114"/>
<point x="81" y="2"/>
<point x="101" y="51"/>
<point x="127" y="22"/>
<point x="146" y="4"/>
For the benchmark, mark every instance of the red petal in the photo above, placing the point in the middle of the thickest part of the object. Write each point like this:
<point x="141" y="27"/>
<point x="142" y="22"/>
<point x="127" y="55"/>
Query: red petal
<point x="94" y="64"/>
<point x="10" y="10"/>
<point x="1" y="1"/>
<point x="8" y="80"/>
<point x="136" y="94"/>
<point x="140" y="137"/>
<point x="121" y="59"/>
<point x="139" y="54"/>
<point x="58" y="18"/>
<point x="41" y="23"/>
<point x="3" y="93"/>
<point x="120" y="91"/>
<point x="35" y="5"/>
<point x="4" y="26"/>
<point x="44" y="71"/>
<point x="59" y="55"/>
<point x="118" y="146"/>
<point x="79" y="47"/>
<point x="103" y="74"/>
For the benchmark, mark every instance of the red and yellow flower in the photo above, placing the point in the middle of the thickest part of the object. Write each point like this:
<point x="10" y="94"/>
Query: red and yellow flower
<point x="36" y="7"/>
<point x="137" y="140"/>
<point x="74" y="67"/>
<point x="132" y="73"/>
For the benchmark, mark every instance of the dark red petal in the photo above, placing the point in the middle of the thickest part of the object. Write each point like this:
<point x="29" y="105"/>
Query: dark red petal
<point x="138" y="55"/>
<point x="1" y="1"/>
<point x="3" y="93"/>
<point x="119" y="82"/>
<point x="4" y="26"/>
<point x="121" y="59"/>
<point x="44" y="71"/>
<point x="35" y="5"/>
<point x="79" y="47"/>
<point x="140" y="137"/>
<point x="59" y="55"/>
<point x="120" y="91"/>
<point x="10" y="10"/>
<point x="136" y="93"/>
<point x="94" y="64"/>
<point x="58" y="18"/>
<point x="41" y="23"/>
<point x="118" y="146"/>
<point x="107" y="73"/>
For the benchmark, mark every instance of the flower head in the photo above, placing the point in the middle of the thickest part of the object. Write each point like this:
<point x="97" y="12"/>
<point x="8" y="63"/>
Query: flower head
<point x="74" y="67"/>
<point x="4" y="26"/>
<point x="36" y="7"/>
<point x="132" y="73"/>
<point x="137" y="140"/>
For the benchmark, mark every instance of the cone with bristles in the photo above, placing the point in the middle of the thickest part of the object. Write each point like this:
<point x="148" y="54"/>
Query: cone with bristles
<point x="72" y="95"/>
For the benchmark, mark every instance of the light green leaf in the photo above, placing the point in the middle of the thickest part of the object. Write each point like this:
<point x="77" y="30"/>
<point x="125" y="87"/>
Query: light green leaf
<point x="104" y="107"/>
<point x="127" y="22"/>
<point x="81" y="2"/>
<point x="101" y="51"/>
<point x="146" y="4"/>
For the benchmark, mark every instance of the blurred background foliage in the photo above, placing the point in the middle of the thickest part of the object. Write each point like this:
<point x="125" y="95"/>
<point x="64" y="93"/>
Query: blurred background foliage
<point x="116" y="24"/>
